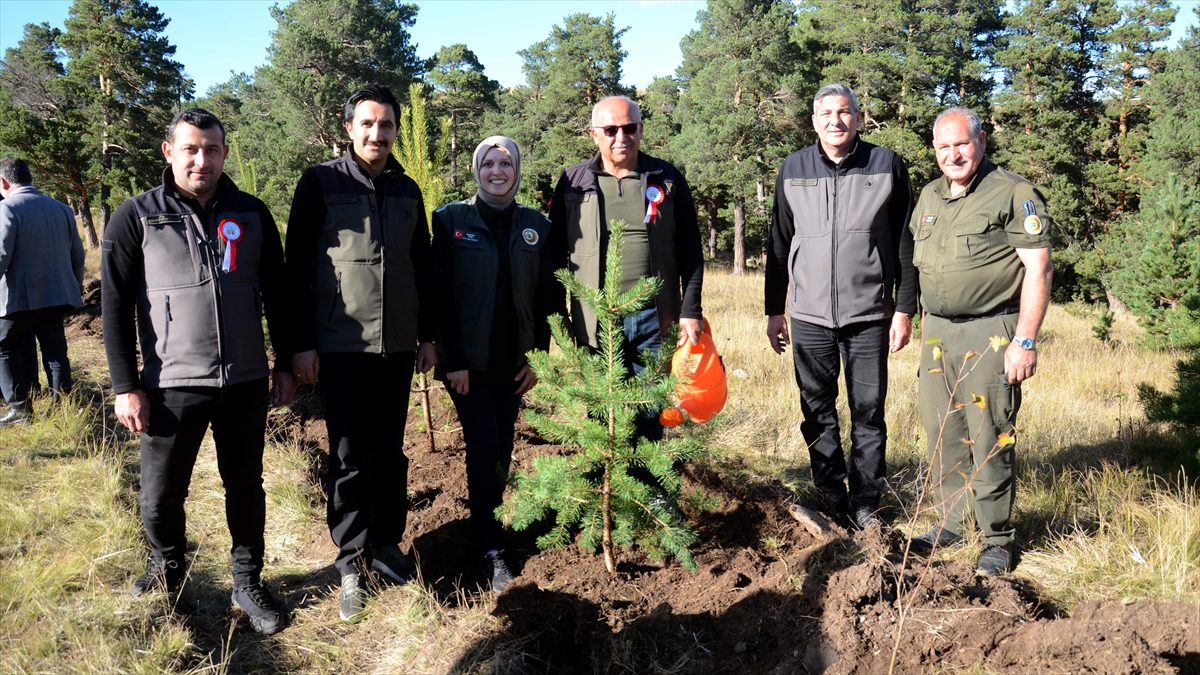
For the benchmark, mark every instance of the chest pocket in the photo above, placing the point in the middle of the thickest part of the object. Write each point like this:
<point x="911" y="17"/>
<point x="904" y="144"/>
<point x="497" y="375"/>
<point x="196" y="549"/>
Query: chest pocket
<point x="346" y="235"/>
<point x="583" y="224"/>
<point x="169" y="240"/>
<point x="972" y="240"/>
<point x="922" y="243"/>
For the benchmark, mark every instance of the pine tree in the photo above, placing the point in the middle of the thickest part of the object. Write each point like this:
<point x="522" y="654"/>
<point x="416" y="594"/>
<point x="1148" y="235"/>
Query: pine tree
<point x="121" y="68"/>
<point x="462" y="93"/>
<point x="578" y="64"/>
<point x="736" y="110"/>
<point x="41" y="121"/>
<point x="591" y="402"/>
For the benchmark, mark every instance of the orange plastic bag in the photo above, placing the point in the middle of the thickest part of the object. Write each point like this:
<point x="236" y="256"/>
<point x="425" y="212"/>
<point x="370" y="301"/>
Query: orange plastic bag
<point x="701" y="389"/>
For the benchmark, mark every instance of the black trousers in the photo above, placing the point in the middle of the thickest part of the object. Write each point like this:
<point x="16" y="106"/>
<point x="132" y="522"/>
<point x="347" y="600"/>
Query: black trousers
<point x="18" y="375"/>
<point x="488" y="414"/>
<point x="179" y="417"/>
<point x="819" y="353"/>
<point x="366" y="406"/>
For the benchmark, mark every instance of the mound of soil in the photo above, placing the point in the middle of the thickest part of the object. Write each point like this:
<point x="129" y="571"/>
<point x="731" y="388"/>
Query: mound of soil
<point x="768" y="597"/>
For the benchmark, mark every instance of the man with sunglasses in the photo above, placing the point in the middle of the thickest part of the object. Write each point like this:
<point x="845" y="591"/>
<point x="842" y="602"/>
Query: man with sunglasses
<point x="661" y="236"/>
<point x="839" y="262"/>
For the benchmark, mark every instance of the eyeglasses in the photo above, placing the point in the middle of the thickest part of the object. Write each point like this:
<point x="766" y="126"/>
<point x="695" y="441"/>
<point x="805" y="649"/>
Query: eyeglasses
<point x="611" y="131"/>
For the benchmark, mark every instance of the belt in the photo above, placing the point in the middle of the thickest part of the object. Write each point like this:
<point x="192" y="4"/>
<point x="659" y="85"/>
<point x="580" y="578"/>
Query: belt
<point x="961" y="318"/>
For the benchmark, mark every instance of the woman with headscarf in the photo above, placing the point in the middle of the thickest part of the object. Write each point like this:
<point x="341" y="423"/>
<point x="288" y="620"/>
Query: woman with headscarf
<point x="495" y="275"/>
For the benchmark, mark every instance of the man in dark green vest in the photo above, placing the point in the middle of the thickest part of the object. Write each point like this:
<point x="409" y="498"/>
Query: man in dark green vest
<point x="358" y="263"/>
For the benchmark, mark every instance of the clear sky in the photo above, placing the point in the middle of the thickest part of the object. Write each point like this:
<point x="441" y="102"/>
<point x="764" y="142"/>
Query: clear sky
<point x="216" y="37"/>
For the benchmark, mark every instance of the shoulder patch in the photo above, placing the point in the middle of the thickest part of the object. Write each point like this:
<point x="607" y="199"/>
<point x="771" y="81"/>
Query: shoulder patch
<point x="1032" y="224"/>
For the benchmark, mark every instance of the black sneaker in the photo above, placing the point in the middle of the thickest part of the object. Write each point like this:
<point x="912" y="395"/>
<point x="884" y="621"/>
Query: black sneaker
<point x="352" y="601"/>
<point x="392" y="564"/>
<point x="835" y="500"/>
<point x="160" y="575"/>
<point x="866" y="517"/>
<point x="994" y="561"/>
<point x="260" y="606"/>
<point x="496" y="571"/>
<point x="935" y="538"/>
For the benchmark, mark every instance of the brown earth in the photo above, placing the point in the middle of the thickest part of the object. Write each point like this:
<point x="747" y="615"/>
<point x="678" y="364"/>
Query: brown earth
<point x="768" y="597"/>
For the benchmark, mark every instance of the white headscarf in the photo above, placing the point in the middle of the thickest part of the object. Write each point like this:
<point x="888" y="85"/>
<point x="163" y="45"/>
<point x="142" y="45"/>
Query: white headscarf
<point x="514" y="153"/>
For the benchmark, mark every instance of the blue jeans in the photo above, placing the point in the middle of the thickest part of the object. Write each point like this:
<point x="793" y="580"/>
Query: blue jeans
<point x="642" y="333"/>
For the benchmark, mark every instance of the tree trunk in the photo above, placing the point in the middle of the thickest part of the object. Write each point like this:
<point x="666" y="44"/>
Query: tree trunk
<point x="105" y="189"/>
<point x="610" y="558"/>
<point x="739" y="236"/>
<point x="713" y="211"/>
<point x="1118" y="308"/>
<point x="85" y="215"/>
<point x="454" y="149"/>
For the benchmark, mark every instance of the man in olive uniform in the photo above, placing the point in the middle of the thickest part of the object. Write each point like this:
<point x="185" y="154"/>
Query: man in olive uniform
<point x="982" y="250"/>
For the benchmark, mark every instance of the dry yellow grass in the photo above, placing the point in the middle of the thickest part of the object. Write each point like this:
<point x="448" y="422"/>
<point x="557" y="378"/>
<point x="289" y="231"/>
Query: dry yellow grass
<point x="70" y="540"/>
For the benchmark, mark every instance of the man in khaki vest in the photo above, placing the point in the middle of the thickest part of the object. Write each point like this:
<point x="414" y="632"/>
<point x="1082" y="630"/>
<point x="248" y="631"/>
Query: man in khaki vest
<point x="661" y="237"/>
<point x="982" y="250"/>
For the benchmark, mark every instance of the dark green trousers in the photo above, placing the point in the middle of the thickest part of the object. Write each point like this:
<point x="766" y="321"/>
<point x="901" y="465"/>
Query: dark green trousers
<point x="966" y="403"/>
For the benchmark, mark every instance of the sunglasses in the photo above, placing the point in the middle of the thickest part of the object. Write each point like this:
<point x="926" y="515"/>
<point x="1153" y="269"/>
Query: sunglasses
<point x="629" y="129"/>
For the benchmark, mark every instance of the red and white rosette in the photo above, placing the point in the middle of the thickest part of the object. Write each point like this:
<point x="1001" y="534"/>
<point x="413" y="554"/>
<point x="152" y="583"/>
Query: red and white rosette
<point x="654" y="197"/>
<point x="231" y="233"/>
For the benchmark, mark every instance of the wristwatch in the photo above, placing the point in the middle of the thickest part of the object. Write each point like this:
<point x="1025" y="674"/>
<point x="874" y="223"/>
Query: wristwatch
<point x="1024" y="343"/>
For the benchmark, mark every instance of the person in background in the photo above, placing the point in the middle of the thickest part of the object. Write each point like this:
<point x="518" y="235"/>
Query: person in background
<point x="41" y="274"/>
<point x="496" y="288"/>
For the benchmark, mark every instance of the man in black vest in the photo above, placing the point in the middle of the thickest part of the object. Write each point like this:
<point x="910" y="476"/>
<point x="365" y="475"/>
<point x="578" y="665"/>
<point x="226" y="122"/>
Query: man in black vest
<point x="194" y="260"/>
<point x="359" y="271"/>
<point x="840" y="290"/>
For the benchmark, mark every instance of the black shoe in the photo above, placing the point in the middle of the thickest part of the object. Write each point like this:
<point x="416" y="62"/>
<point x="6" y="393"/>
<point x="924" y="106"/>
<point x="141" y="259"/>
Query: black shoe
<point x="496" y="571"/>
<point x="160" y="575"/>
<point x="866" y="517"/>
<point x="993" y="561"/>
<point x="15" y="415"/>
<point x="352" y="601"/>
<point x="935" y="538"/>
<point x="260" y="606"/>
<point x="835" y="500"/>
<point x="392" y="564"/>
